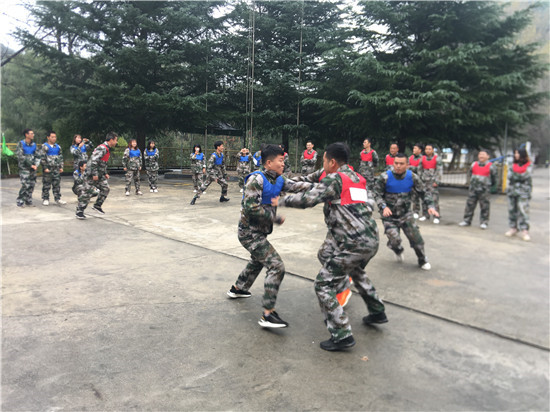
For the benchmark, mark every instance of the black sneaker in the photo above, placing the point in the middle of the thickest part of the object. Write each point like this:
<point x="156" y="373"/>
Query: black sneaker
<point x="235" y="293"/>
<point x="332" y="345"/>
<point x="80" y="215"/>
<point x="272" y="321"/>
<point x="20" y="203"/>
<point x="98" y="208"/>
<point x="224" y="199"/>
<point x="193" y="200"/>
<point x="375" y="318"/>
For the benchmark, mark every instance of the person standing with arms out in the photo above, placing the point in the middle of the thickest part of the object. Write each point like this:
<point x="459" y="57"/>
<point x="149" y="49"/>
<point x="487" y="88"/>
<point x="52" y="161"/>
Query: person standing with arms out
<point x="414" y="164"/>
<point x="483" y="177"/>
<point x="393" y="195"/>
<point x="518" y="191"/>
<point x="79" y="149"/>
<point x="28" y="160"/>
<point x="96" y="174"/>
<point x="430" y="171"/>
<point x="198" y="167"/>
<point x="390" y="157"/>
<point x="288" y="170"/>
<point x="131" y="161"/>
<point x="244" y="159"/>
<point x="82" y="189"/>
<point x="52" y="167"/>
<point x="216" y="172"/>
<point x="151" y="160"/>
<point x="257" y="159"/>
<point x="369" y="162"/>
<point x="309" y="159"/>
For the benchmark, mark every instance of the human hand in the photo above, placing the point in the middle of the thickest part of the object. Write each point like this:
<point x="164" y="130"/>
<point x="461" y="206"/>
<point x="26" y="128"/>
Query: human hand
<point x="46" y="170"/>
<point x="106" y="176"/>
<point x="279" y="220"/>
<point x="387" y="212"/>
<point x="433" y="212"/>
<point x="275" y="201"/>
<point x="95" y="178"/>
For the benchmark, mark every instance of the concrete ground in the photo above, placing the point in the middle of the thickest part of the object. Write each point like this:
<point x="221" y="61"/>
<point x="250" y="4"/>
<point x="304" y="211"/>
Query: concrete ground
<point x="127" y="311"/>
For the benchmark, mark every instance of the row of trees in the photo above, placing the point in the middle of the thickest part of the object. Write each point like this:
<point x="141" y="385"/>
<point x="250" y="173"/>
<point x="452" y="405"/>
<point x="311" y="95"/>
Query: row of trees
<point x="451" y="73"/>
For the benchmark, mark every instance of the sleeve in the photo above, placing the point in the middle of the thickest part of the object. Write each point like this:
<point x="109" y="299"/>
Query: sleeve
<point x="74" y="151"/>
<point x="61" y="159"/>
<point x="327" y="190"/>
<point x="375" y="159"/>
<point x="41" y="158"/>
<point x="380" y="190"/>
<point x="420" y="190"/>
<point x="125" y="158"/>
<point x="311" y="178"/>
<point x="494" y="177"/>
<point x="210" y="163"/>
<point x="439" y="170"/>
<point x="20" y="155"/>
<point x="94" y="159"/>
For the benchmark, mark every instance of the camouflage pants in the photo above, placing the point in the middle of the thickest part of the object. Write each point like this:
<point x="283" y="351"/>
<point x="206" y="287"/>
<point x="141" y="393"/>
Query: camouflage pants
<point x="198" y="179"/>
<point x="153" y="176"/>
<point x="103" y="186"/>
<point x="84" y="196"/>
<point x="484" y="206"/>
<point x="368" y="174"/>
<point x="339" y="262"/>
<point x="133" y="176"/>
<point x="208" y="181"/>
<point x="262" y="253"/>
<point x="435" y="196"/>
<point x="306" y="170"/>
<point x="518" y="212"/>
<point x="392" y="227"/>
<point x="28" y="180"/>
<point x="243" y="169"/>
<point x="416" y="201"/>
<point x="51" y="180"/>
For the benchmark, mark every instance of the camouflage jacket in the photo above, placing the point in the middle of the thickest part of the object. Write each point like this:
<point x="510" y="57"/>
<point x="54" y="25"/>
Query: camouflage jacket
<point x="364" y="166"/>
<point x="51" y="162"/>
<point x="348" y="224"/>
<point x="80" y="183"/>
<point x="96" y="166"/>
<point x="217" y="171"/>
<point x="287" y="168"/>
<point x="25" y="161"/>
<point x="399" y="203"/>
<point x="482" y="183"/>
<point x="431" y="176"/>
<point x="255" y="216"/>
<point x="131" y="163"/>
<point x="387" y="166"/>
<point x="151" y="159"/>
<point x="78" y="154"/>
<point x="309" y="162"/>
<point x="197" y="165"/>
<point x="520" y="184"/>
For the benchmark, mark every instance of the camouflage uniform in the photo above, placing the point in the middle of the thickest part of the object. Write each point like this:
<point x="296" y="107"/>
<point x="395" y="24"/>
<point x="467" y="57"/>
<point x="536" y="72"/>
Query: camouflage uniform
<point x="97" y="166"/>
<point x="132" y="164"/>
<point x="197" y="166"/>
<point x="479" y="191"/>
<point x="401" y="217"/>
<point x="80" y="153"/>
<point x="367" y="168"/>
<point x="415" y="199"/>
<point x="151" y="160"/>
<point x="52" y="160"/>
<point x="287" y="170"/>
<point x="255" y="224"/>
<point x="351" y="242"/>
<point x="83" y="190"/>
<point x="27" y="156"/>
<point x="257" y="160"/>
<point x="308" y="165"/>
<point x="388" y="161"/>
<point x="519" y="189"/>
<point x="215" y="172"/>
<point x="243" y="167"/>
<point x="429" y="177"/>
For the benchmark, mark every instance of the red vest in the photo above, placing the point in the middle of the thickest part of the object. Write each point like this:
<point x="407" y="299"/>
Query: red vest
<point x="309" y="156"/>
<point x="106" y="155"/>
<point x="347" y="184"/>
<point x="366" y="157"/>
<point x="482" y="170"/>
<point x="413" y="162"/>
<point x="516" y="168"/>
<point x="389" y="160"/>
<point x="429" y="164"/>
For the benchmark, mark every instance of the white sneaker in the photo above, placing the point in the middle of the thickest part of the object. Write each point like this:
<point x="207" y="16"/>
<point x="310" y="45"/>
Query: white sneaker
<point x="422" y="218"/>
<point x="155" y="190"/>
<point x="525" y="235"/>
<point x="60" y="202"/>
<point x="204" y="192"/>
<point x="426" y="266"/>
<point x="46" y="202"/>
<point x="139" y="192"/>
<point x="151" y="190"/>
<point x="415" y="215"/>
<point x="241" y="190"/>
<point x="400" y="257"/>
<point x="463" y="223"/>
<point x="511" y="232"/>
<point x="195" y="191"/>
<point x="436" y="221"/>
<point x="483" y="226"/>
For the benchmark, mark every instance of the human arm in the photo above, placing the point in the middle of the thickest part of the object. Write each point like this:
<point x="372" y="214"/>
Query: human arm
<point x="125" y="159"/>
<point x="327" y="190"/>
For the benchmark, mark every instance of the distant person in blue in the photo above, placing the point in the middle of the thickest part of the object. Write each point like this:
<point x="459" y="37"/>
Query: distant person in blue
<point x="79" y="150"/>
<point x="28" y="160"/>
<point x="131" y="161"/>
<point x="151" y="159"/>
<point x="215" y="172"/>
<point x="198" y="167"/>
<point x="51" y="158"/>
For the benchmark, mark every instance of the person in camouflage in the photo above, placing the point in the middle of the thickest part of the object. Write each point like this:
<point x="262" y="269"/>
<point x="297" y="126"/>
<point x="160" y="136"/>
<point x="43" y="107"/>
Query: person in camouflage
<point x="83" y="189"/>
<point x="151" y="160"/>
<point x="390" y="157"/>
<point x="351" y="241"/>
<point x="215" y="170"/>
<point x="131" y="162"/>
<point x="96" y="173"/>
<point x="51" y="158"/>
<point x="257" y="159"/>
<point x="287" y="170"/>
<point x="257" y="218"/>
<point x="308" y="159"/>
<point x="198" y="167"/>
<point x="369" y="163"/>
<point x="483" y="177"/>
<point x="28" y="160"/>
<point x="79" y="149"/>
<point x="414" y="163"/>
<point x="244" y="159"/>
<point x="518" y="191"/>
<point x="393" y="197"/>
<point x="430" y="171"/>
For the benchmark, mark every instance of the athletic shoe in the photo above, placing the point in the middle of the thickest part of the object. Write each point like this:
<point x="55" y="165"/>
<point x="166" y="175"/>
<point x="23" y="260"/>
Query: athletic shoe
<point x="46" y="202"/>
<point x="426" y="266"/>
<point x="400" y="257"/>
<point x="155" y="190"/>
<point x="241" y="190"/>
<point x="151" y="190"/>
<point x="511" y="232"/>
<point x="415" y="215"/>
<point x="272" y="321"/>
<point x="80" y="215"/>
<point x="525" y="235"/>
<point x="375" y="318"/>
<point x="422" y="218"/>
<point x="127" y="193"/>
<point x="464" y="223"/>
<point x="235" y="293"/>
<point x="98" y="209"/>
<point x="195" y="191"/>
<point x="20" y="203"/>
<point x="223" y="199"/>
<point x="343" y="297"/>
<point x="204" y="192"/>
<point x="193" y="200"/>
<point x="60" y="202"/>
<point x="332" y="345"/>
<point x="483" y="226"/>
<point x="138" y="192"/>
<point x="436" y="221"/>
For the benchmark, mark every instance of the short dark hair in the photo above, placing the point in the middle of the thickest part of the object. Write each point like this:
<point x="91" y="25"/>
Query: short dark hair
<point x="50" y="132"/>
<point x="282" y="146"/>
<point x="309" y="141"/>
<point x="217" y="143"/>
<point x="401" y="155"/>
<point x="369" y="139"/>
<point x="270" y="152"/>
<point x="484" y="150"/>
<point x="429" y="144"/>
<point x="338" y="151"/>
<point x="81" y="163"/>
<point x="394" y="143"/>
<point x="419" y="145"/>
<point x="26" y="131"/>
<point x="111" y="136"/>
